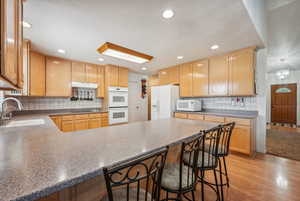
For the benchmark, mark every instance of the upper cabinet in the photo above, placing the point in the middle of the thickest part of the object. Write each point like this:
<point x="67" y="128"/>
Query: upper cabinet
<point x="242" y="73"/>
<point x="200" y="78"/>
<point x="153" y="80"/>
<point x="218" y="76"/>
<point x="169" y="76"/>
<point x="11" y="42"/>
<point x="78" y="72"/>
<point x="100" y="78"/>
<point x="116" y="76"/>
<point x="186" y="80"/>
<point x="91" y="73"/>
<point x="58" y="77"/>
<point x="123" y="77"/>
<point x="37" y="74"/>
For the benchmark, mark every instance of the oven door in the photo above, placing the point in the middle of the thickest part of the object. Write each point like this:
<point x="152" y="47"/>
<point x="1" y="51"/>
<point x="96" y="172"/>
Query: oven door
<point x="118" y="99"/>
<point x="118" y="115"/>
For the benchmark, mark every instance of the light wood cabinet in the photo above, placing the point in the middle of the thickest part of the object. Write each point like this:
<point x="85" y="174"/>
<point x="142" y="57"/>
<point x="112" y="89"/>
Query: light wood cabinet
<point x="195" y="116"/>
<point x="241" y="73"/>
<point x="78" y="72"/>
<point x="57" y="121"/>
<point x="37" y="74"/>
<point x="200" y="78"/>
<point x="82" y="124"/>
<point x="240" y="139"/>
<point x="101" y="82"/>
<point x="11" y="69"/>
<point x="181" y="115"/>
<point x="216" y="119"/>
<point x="91" y="73"/>
<point x="186" y="80"/>
<point x="58" y="77"/>
<point x="94" y="123"/>
<point x="169" y="76"/>
<point x="67" y="126"/>
<point x="154" y="80"/>
<point x="218" y="76"/>
<point x="123" y="77"/>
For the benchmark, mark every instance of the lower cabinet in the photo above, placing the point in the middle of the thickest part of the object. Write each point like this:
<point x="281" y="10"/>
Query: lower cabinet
<point x="241" y="139"/>
<point x="69" y="123"/>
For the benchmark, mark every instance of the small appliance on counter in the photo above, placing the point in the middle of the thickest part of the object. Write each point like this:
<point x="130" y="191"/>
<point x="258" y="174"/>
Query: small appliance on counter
<point x="190" y="105"/>
<point x="83" y="91"/>
<point x="117" y="105"/>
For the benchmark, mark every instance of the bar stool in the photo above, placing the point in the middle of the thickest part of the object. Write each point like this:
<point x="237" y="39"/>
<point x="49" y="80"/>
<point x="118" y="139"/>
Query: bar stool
<point x="207" y="160"/>
<point x="135" y="180"/>
<point x="178" y="178"/>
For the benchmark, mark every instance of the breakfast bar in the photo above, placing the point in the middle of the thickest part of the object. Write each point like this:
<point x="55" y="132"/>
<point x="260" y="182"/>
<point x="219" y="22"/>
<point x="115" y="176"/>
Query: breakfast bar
<point x="41" y="161"/>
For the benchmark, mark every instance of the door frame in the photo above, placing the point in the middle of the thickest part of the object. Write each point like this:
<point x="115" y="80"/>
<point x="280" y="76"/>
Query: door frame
<point x="271" y="102"/>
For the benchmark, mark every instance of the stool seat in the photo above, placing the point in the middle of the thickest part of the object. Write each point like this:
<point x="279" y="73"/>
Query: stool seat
<point x="171" y="177"/>
<point x="121" y="195"/>
<point x="209" y="162"/>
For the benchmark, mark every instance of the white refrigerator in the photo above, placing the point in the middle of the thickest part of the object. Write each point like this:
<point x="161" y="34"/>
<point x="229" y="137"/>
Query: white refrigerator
<point x="163" y="101"/>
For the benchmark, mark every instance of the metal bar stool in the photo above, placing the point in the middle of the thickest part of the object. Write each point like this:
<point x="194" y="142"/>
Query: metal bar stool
<point x="135" y="180"/>
<point x="178" y="178"/>
<point x="207" y="160"/>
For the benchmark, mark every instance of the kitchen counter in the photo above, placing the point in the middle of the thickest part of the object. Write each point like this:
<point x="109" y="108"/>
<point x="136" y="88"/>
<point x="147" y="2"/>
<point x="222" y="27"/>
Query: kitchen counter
<point x="38" y="160"/>
<point x="226" y="113"/>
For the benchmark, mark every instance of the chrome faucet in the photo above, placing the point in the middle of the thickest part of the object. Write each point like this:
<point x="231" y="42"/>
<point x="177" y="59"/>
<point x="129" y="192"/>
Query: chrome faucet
<point x="2" y="110"/>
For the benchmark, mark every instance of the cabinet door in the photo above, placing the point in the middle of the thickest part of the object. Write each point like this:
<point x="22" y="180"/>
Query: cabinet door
<point x="9" y="39"/>
<point x="240" y="139"/>
<point x="112" y="75"/>
<point x="104" y="120"/>
<point x="57" y="121"/>
<point x="67" y="126"/>
<point x="91" y="73"/>
<point x="81" y="124"/>
<point x="153" y="80"/>
<point x="186" y="81"/>
<point x="78" y="72"/>
<point x="174" y="75"/>
<point x="94" y="123"/>
<point x="163" y="77"/>
<point x="200" y="78"/>
<point x="123" y="77"/>
<point x="58" y="77"/>
<point x="218" y="76"/>
<point x="101" y="87"/>
<point x="241" y="73"/>
<point x="181" y="115"/>
<point x="37" y="74"/>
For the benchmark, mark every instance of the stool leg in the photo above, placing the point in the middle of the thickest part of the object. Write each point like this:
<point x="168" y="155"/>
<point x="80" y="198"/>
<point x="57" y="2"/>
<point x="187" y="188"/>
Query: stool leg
<point x="202" y="185"/>
<point x="217" y="185"/>
<point x="193" y="195"/>
<point x="221" y="180"/>
<point x="227" y="178"/>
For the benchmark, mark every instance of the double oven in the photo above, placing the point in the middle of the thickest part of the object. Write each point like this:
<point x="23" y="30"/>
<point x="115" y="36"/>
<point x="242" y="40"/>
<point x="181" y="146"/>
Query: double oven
<point x="118" y="105"/>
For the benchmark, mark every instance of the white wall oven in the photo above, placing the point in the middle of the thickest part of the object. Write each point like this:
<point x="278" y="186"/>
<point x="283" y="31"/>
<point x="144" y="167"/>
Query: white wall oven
<point x="118" y="115"/>
<point x="118" y="105"/>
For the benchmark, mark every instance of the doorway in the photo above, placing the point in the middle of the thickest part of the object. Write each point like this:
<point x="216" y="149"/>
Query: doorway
<point x="284" y="103"/>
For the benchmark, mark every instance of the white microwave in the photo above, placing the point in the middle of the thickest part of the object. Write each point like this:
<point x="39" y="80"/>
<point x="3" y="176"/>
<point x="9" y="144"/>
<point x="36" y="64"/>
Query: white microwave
<point x="189" y="105"/>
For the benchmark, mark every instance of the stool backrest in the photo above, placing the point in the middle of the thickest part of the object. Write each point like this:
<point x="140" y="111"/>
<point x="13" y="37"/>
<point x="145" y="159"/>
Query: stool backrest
<point x="139" y="176"/>
<point x="226" y="133"/>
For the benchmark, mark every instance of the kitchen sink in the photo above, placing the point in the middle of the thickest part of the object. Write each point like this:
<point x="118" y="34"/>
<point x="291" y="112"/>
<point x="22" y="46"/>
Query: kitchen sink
<point x="20" y="123"/>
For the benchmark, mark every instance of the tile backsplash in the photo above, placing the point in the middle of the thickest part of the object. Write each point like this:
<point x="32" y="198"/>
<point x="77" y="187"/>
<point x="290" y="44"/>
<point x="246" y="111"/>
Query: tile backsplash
<point x="30" y="103"/>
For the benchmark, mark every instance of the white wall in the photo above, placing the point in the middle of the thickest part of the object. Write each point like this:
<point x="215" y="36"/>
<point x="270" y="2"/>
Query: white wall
<point x="137" y="106"/>
<point x="273" y="79"/>
<point x="257" y="11"/>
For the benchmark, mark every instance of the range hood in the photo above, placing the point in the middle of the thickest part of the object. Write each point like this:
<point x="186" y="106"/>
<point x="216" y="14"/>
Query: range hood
<point x="84" y="85"/>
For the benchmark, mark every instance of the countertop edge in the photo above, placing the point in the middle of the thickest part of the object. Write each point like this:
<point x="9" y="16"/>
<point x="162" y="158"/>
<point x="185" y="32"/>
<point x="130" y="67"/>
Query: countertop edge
<point x="244" y="116"/>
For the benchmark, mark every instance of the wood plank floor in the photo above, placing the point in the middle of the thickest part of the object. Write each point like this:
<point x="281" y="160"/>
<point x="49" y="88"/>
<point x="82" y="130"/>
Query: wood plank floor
<point x="263" y="178"/>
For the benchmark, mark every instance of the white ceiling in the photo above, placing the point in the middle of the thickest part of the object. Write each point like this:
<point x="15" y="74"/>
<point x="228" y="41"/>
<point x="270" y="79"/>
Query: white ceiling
<point x="81" y="26"/>
<point x="283" y="34"/>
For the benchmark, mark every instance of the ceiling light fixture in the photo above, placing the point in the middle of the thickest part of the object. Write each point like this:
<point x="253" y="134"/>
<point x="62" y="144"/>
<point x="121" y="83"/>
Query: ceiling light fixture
<point x="100" y="59"/>
<point x="61" y="51"/>
<point x="180" y="57"/>
<point x="144" y="68"/>
<point x="214" y="47"/>
<point x="120" y="52"/>
<point x="26" y="24"/>
<point x="168" y="14"/>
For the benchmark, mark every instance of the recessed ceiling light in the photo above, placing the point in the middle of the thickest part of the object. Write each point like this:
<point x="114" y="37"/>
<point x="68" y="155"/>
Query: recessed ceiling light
<point x="214" y="47"/>
<point x="144" y="68"/>
<point x="180" y="57"/>
<point x="61" y="51"/>
<point x="100" y="59"/>
<point x="168" y="14"/>
<point x="26" y="24"/>
<point x="282" y="60"/>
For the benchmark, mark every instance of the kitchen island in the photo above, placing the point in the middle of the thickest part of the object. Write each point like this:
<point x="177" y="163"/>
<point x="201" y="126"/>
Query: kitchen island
<point x="41" y="161"/>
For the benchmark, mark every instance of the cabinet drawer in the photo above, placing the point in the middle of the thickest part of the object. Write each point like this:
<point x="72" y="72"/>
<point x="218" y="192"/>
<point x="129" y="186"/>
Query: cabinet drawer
<point x="81" y="116"/>
<point x="181" y="115"/>
<point x="214" y="118"/>
<point x="196" y="116"/>
<point x="81" y="124"/>
<point x="96" y="115"/>
<point x="67" y="117"/>
<point x="104" y="115"/>
<point x="238" y="121"/>
<point x="241" y="139"/>
<point x="67" y="126"/>
<point x="94" y="123"/>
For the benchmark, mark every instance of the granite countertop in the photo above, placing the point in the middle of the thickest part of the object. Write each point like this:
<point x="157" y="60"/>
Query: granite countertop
<point x="227" y="113"/>
<point x="61" y="111"/>
<point x="38" y="160"/>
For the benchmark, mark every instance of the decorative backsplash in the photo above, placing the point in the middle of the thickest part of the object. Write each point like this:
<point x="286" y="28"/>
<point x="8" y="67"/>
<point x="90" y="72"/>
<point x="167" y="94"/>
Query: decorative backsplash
<point x="30" y="103"/>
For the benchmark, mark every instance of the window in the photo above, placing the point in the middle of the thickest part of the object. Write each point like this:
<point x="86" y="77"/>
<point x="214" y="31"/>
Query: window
<point x="283" y="90"/>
